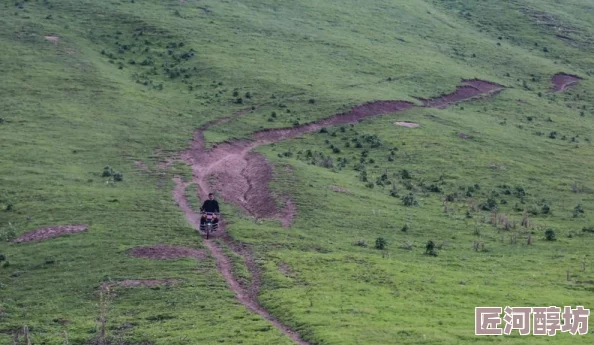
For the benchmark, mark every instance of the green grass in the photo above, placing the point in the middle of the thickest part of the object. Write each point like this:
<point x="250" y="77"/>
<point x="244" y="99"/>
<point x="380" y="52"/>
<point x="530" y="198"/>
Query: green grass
<point x="67" y="112"/>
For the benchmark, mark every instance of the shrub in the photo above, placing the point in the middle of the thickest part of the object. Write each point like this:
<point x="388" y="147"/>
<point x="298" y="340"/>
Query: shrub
<point x="405" y="228"/>
<point x="546" y="209"/>
<point x="430" y="248"/>
<point x="312" y="101"/>
<point x="590" y="229"/>
<point x="405" y="174"/>
<point x="2" y="257"/>
<point x="239" y="101"/>
<point x="520" y="191"/>
<point x="118" y="176"/>
<point x="553" y="135"/>
<point x="577" y="211"/>
<point x="248" y="95"/>
<point x="435" y="189"/>
<point x="381" y="243"/>
<point x="550" y="235"/>
<point x="107" y="171"/>
<point x="489" y="205"/>
<point x="409" y="200"/>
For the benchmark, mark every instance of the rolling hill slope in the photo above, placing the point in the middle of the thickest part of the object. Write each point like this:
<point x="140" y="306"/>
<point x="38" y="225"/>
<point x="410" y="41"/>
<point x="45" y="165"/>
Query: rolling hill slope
<point x="325" y="129"/>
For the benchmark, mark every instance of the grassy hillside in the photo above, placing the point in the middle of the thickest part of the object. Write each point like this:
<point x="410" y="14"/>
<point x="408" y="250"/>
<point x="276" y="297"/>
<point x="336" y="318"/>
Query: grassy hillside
<point x="124" y="84"/>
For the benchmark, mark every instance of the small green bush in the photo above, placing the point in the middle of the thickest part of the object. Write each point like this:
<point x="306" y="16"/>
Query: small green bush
<point x="381" y="243"/>
<point x="550" y="235"/>
<point x="489" y="205"/>
<point x="409" y="200"/>
<point x="430" y="248"/>
<point x="577" y="211"/>
<point x="107" y="171"/>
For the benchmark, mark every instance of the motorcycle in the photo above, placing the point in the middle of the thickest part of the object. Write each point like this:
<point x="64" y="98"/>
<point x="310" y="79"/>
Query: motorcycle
<point x="209" y="225"/>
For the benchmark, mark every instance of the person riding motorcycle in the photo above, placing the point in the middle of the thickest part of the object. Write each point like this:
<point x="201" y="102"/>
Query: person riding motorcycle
<point x="210" y="206"/>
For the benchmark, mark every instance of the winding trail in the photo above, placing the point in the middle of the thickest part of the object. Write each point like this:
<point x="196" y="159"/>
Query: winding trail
<point x="246" y="295"/>
<point x="246" y="176"/>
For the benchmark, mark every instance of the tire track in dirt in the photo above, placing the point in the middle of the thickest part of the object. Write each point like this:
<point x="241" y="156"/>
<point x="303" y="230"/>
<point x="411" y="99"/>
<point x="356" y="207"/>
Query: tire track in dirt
<point x="246" y="176"/>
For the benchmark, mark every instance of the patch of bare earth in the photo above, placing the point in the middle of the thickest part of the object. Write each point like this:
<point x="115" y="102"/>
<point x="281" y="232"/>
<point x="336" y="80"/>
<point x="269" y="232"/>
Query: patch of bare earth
<point x="406" y="124"/>
<point x="50" y="232"/>
<point x="52" y="38"/>
<point x="141" y="165"/>
<point x="285" y="269"/>
<point x="470" y="88"/>
<point x="563" y="81"/>
<point x="163" y="252"/>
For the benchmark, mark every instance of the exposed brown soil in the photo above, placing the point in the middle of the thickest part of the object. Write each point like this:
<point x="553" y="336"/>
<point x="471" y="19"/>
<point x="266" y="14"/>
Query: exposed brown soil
<point x="563" y="81"/>
<point x="464" y="136"/>
<point x="138" y="283"/>
<point x="50" y="232"/>
<point x="406" y="124"/>
<point x="469" y="89"/>
<point x="141" y="165"/>
<point x="285" y="269"/>
<point x="52" y="38"/>
<point x="163" y="252"/>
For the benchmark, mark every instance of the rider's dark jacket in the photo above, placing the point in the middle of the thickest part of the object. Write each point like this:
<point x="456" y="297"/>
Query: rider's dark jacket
<point x="210" y="206"/>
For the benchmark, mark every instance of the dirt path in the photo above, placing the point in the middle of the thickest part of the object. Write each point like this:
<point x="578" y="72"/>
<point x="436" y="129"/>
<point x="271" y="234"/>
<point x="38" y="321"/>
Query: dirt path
<point x="246" y="295"/>
<point x="241" y="177"/>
